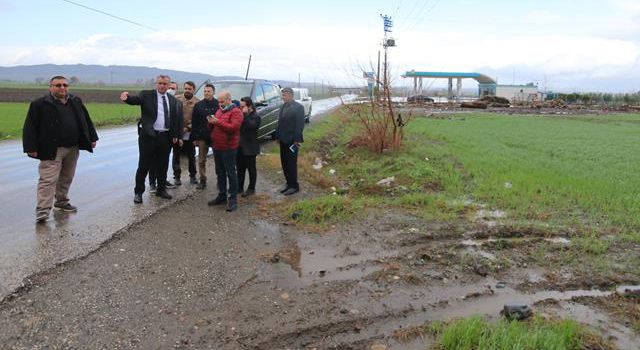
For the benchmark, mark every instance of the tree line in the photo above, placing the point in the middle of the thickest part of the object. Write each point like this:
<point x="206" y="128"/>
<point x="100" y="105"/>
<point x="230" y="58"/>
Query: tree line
<point x="599" y="98"/>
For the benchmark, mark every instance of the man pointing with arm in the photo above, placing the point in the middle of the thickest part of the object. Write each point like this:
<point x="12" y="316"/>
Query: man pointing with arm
<point x="160" y="128"/>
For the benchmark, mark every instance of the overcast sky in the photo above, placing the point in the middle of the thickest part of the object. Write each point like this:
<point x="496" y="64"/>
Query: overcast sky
<point x="582" y="45"/>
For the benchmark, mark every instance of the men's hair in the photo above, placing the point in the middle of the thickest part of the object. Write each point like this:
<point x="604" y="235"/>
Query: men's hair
<point x="210" y="86"/>
<point x="247" y="101"/>
<point x="190" y="83"/>
<point x="225" y="94"/>
<point x="287" y="90"/>
<point x="57" y="77"/>
<point x="162" y="76"/>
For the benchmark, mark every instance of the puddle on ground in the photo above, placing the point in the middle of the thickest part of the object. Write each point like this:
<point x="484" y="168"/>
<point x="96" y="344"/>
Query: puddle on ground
<point x="558" y="240"/>
<point x="534" y="276"/>
<point x="489" y="214"/>
<point x="307" y="259"/>
<point x="449" y="302"/>
<point x="623" y="337"/>
<point x="482" y="242"/>
<point x="300" y="260"/>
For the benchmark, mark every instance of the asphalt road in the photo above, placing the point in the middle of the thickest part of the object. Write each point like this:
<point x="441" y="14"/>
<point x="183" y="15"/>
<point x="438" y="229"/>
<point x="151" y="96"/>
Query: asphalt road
<point x="102" y="190"/>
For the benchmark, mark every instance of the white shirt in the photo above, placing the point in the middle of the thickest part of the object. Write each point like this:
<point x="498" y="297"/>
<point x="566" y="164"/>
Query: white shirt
<point x="159" y="124"/>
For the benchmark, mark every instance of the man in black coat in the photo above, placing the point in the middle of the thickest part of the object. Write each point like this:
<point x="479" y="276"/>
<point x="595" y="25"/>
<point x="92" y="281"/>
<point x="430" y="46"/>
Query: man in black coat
<point x="160" y="128"/>
<point x="200" y="133"/>
<point x="289" y="134"/>
<point x="56" y="128"/>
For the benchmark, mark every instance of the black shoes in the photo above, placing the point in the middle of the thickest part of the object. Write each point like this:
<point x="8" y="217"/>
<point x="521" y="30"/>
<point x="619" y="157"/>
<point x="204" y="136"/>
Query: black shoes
<point x="169" y="185"/>
<point x="177" y="182"/>
<point x="291" y="191"/>
<point x="137" y="198"/>
<point x="248" y="193"/>
<point x="232" y="205"/>
<point x="284" y="189"/>
<point x="163" y="194"/>
<point x="42" y="217"/>
<point x="66" y="208"/>
<point x="192" y="180"/>
<point x="153" y="188"/>
<point x="202" y="184"/>
<point x="218" y="200"/>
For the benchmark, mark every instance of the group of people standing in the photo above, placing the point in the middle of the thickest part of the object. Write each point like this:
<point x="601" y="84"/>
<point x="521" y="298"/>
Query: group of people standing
<point x="58" y="125"/>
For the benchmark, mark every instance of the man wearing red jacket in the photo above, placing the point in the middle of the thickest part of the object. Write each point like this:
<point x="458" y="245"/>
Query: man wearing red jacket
<point x="225" y="136"/>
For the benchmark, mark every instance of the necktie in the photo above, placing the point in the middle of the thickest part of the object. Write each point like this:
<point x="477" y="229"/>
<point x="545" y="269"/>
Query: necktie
<point x="165" y="108"/>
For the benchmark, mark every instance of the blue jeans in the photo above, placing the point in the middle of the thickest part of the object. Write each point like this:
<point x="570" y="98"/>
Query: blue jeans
<point x="226" y="169"/>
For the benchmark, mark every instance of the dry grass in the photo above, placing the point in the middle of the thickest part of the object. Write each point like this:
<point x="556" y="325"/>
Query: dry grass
<point x="315" y="177"/>
<point x="407" y="335"/>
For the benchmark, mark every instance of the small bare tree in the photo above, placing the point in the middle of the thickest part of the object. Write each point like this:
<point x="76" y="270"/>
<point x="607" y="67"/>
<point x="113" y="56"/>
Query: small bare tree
<point x="382" y="128"/>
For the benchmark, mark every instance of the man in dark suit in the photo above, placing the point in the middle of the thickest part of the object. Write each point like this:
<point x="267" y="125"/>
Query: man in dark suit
<point x="289" y="134"/>
<point x="160" y="128"/>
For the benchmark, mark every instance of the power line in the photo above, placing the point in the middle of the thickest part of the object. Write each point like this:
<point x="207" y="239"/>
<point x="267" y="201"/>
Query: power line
<point x="423" y="14"/>
<point x="397" y="8"/>
<point x="412" y="11"/>
<point x="110" y="15"/>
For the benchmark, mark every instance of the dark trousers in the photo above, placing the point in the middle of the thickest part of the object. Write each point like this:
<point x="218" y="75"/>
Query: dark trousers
<point x="153" y="154"/>
<point x="187" y="149"/>
<point x="226" y="169"/>
<point x="289" y="162"/>
<point x="244" y="164"/>
<point x="152" y="175"/>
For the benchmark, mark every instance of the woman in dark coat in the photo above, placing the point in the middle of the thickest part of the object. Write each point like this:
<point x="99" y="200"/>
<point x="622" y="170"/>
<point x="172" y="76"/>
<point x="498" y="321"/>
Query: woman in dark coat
<point x="249" y="147"/>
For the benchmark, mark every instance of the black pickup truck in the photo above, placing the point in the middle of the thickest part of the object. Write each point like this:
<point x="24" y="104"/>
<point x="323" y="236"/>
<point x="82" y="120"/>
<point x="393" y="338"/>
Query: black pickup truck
<point x="266" y="97"/>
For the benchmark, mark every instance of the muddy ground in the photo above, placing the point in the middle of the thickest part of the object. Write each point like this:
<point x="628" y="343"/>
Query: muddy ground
<point x="193" y="276"/>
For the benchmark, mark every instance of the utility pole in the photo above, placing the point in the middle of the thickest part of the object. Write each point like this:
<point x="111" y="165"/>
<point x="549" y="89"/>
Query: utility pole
<point x="378" y="75"/>
<point x="298" y="80"/>
<point x="246" y="76"/>
<point x="386" y="43"/>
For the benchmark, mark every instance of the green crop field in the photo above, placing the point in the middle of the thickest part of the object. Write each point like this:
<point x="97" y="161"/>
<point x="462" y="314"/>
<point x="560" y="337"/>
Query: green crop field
<point x="12" y="116"/>
<point x="576" y="171"/>
<point x="580" y="169"/>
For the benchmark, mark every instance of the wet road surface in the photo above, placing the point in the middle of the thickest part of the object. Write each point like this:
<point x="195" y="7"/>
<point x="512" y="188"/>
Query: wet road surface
<point x="102" y="190"/>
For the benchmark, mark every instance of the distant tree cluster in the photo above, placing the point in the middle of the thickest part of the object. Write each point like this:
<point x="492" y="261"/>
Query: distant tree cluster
<point x="599" y="98"/>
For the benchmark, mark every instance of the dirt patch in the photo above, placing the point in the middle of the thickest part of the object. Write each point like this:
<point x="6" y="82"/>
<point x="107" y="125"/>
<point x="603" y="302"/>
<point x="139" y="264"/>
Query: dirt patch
<point x="621" y="307"/>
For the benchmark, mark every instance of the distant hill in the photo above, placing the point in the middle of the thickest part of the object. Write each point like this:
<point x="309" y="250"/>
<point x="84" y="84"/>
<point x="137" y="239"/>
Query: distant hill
<point x="97" y="74"/>
<point x="92" y="76"/>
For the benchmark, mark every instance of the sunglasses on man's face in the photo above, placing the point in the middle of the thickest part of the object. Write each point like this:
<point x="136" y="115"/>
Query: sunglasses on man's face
<point x="60" y="85"/>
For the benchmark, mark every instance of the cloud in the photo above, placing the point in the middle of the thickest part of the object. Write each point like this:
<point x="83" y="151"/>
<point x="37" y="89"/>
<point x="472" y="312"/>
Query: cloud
<point x="7" y="6"/>
<point x="576" y="57"/>
<point x="336" y="54"/>
<point x="630" y="7"/>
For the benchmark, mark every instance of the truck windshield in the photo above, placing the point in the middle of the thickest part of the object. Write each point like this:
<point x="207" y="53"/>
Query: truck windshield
<point x="238" y="89"/>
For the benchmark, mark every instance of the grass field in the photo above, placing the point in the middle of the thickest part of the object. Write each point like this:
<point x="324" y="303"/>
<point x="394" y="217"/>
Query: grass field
<point x="12" y="116"/>
<point x="577" y="171"/>
<point x="476" y="333"/>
